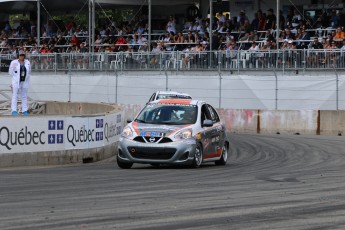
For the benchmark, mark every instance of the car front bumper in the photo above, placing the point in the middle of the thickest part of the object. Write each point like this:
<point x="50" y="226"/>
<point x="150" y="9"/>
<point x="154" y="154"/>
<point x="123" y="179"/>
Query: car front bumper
<point x="177" y="153"/>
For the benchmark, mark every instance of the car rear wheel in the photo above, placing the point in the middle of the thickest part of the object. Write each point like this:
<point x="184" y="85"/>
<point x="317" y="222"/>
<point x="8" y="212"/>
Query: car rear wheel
<point x="124" y="165"/>
<point x="224" y="157"/>
<point x="198" y="156"/>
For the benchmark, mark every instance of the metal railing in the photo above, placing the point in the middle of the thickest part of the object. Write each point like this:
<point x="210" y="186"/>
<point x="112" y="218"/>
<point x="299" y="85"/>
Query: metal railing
<point x="236" y="60"/>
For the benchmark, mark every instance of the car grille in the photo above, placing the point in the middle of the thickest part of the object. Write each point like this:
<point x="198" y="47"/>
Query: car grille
<point x="158" y="140"/>
<point x="152" y="153"/>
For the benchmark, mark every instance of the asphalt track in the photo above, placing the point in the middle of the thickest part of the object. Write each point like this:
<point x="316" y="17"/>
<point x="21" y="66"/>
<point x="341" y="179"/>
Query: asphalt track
<point x="270" y="182"/>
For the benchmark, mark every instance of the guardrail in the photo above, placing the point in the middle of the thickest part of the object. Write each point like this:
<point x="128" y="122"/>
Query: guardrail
<point x="236" y="60"/>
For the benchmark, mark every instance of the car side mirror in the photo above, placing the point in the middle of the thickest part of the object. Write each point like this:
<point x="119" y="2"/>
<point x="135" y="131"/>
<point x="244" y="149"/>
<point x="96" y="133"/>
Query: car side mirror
<point x="129" y="120"/>
<point x="207" y="123"/>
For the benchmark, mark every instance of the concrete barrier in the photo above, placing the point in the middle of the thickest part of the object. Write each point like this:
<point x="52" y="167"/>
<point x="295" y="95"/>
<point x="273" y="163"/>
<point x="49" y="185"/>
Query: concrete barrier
<point x="291" y="122"/>
<point x="65" y="133"/>
<point x="332" y="122"/>
<point x="311" y="122"/>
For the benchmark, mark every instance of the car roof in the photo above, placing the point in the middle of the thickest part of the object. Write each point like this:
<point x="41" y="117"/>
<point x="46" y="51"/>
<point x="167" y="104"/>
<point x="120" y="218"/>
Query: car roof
<point x="178" y="101"/>
<point x="172" y="93"/>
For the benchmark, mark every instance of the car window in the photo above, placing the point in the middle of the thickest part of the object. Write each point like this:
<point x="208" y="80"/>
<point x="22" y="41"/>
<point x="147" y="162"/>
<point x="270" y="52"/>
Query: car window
<point x="152" y="98"/>
<point x="205" y="114"/>
<point x="213" y="114"/>
<point x="168" y="114"/>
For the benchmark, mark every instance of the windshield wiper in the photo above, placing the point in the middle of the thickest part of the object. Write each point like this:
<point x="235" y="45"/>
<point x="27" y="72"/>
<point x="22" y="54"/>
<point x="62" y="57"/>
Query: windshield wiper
<point x="140" y="121"/>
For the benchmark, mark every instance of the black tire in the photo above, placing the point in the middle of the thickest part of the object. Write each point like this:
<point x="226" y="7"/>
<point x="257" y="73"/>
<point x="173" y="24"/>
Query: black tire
<point x="123" y="165"/>
<point x="198" y="156"/>
<point x="224" y="157"/>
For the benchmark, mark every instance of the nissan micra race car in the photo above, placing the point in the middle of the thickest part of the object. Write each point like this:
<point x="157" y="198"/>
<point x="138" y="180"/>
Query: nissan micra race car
<point x="176" y="132"/>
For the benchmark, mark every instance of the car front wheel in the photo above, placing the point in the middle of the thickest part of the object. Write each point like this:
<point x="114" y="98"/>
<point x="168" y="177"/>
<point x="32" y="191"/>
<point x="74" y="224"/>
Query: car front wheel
<point x="198" y="156"/>
<point x="124" y="165"/>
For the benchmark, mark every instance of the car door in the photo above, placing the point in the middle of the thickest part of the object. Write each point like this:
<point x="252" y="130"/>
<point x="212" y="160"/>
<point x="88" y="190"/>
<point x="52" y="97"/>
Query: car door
<point x="216" y="133"/>
<point x="207" y="133"/>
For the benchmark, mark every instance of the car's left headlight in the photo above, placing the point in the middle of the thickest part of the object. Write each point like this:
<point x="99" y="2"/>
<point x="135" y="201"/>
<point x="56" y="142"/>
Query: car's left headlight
<point x="184" y="134"/>
<point x="127" y="132"/>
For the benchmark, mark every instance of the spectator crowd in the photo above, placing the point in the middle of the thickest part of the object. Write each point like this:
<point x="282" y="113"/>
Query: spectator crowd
<point x="324" y="31"/>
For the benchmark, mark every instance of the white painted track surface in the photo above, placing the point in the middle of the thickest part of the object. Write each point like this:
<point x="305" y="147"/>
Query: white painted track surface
<point x="270" y="182"/>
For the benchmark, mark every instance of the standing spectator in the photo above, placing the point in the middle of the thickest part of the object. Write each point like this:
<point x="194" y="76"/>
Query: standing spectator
<point x="281" y="20"/>
<point x="262" y="21"/>
<point x="20" y="71"/>
<point x="270" y="20"/>
<point x="221" y="17"/>
<point x="334" y="23"/>
<point x="255" y="22"/>
<point x="296" y="18"/>
<point x="69" y="25"/>
<point x="7" y="27"/>
<point x="241" y="18"/>
<point x="171" y="25"/>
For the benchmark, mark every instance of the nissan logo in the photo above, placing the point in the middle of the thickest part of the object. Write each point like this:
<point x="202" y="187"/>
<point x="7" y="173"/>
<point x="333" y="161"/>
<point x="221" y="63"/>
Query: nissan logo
<point x="152" y="139"/>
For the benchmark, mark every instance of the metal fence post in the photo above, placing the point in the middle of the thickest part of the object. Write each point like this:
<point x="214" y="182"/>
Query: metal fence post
<point x="220" y="89"/>
<point x="337" y="88"/>
<point x="276" y="90"/>
<point x="70" y="82"/>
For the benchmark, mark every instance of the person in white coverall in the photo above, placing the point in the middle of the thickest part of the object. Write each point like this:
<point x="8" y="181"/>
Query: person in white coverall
<point x="20" y="70"/>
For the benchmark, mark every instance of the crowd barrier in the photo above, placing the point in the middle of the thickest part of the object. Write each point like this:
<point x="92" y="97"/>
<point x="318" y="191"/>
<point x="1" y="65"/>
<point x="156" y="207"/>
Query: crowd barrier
<point x="236" y="60"/>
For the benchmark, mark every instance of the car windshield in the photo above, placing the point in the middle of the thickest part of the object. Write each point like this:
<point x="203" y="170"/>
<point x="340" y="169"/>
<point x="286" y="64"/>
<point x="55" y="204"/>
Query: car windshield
<point x="168" y="114"/>
<point x="171" y="96"/>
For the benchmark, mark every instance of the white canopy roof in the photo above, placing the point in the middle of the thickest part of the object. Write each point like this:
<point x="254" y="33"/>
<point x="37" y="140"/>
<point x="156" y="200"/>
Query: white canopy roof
<point x="19" y="5"/>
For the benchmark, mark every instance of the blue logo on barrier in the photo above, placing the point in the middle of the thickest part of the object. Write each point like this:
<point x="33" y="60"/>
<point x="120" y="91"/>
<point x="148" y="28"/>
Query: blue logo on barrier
<point x="59" y="138"/>
<point x="51" y="125"/>
<point x="54" y="138"/>
<point x="51" y="139"/>
<point x="99" y="123"/>
<point x="99" y="136"/>
<point x="59" y="124"/>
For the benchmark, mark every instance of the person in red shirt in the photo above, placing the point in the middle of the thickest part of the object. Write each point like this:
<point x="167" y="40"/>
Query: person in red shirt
<point x="121" y="40"/>
<point x="74" y="41"/>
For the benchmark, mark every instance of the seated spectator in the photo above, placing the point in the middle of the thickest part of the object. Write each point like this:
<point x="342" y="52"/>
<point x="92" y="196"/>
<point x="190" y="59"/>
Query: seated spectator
<point x="340" y="34"/>
<point x="156" y="50"/>
<point x="304" y="37"/>
<point x="253" y="53"/>
<point x="312" y="54"/>
<point x="190" y="37"/>
<point x="74" y="41"/>
<point x="289" y="34"/>
<point x="141" y="39"/>
<point x="343" y="45"/>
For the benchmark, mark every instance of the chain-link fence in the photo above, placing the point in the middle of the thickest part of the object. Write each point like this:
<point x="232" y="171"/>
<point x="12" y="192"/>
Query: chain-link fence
<point x="235" y="60"/>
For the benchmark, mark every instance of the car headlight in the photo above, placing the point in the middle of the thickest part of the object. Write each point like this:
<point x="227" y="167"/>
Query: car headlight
<point x="127" y="132"/>
<point x="184" y="134"/>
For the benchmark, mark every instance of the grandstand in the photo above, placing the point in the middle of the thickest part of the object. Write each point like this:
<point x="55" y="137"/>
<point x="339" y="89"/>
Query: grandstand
<point x="308" y="36"/>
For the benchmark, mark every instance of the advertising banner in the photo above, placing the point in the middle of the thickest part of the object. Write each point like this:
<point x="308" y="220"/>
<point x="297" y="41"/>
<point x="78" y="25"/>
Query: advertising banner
<point x="56" y="133"/>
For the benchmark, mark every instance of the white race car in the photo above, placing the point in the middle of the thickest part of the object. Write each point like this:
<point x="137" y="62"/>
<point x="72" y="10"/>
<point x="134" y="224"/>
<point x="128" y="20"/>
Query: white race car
<point x="174" y="131"/>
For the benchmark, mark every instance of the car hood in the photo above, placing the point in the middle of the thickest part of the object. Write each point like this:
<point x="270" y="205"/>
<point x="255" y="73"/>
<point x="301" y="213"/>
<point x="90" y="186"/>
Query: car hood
<point x="143" y="129"/>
